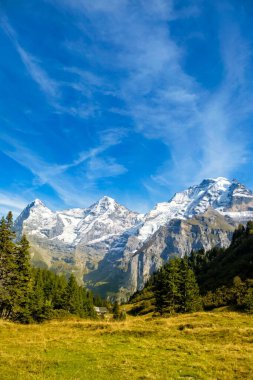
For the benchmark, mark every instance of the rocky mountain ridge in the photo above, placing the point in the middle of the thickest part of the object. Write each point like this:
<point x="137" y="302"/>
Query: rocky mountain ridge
<point x="115" y="250"/>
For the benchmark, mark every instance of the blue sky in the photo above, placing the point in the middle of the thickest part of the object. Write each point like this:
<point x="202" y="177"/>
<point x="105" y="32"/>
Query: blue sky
<point x="133" y="99"/>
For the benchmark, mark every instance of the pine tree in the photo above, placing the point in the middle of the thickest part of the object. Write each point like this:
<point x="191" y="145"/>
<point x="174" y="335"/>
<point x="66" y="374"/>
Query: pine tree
<point x="116" y="311"/>
<point x="249" y="228"/>
<point x="174" y="281"/>
<point x="59" y="291"/>
<point x="175" y="288"/>
<point x="190" y="298"/>
<point x="74" y="297"/>
<point x="167" y="287"/>
<point x="21" y="283"/>
<point x="37" y="298"/>
<point x="7" y="266"/>
<point x="160" y="290"/>
<point x="88" y="307"/>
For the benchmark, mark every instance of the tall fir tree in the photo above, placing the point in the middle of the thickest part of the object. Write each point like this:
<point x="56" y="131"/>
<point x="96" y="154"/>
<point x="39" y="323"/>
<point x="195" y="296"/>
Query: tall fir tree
<point x="8" y="268"/>
<point x="167" y="287"/>
<point x="175" y="288"/>
<point x="189" y="290"/>
<point x="74" y="297"/>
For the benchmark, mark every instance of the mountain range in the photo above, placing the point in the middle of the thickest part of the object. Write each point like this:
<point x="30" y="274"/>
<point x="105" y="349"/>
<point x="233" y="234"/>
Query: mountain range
<point x="114" y="250"/>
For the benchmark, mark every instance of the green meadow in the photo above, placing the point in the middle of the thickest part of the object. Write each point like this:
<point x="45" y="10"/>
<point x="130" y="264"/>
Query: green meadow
<point x="204" y="345"/>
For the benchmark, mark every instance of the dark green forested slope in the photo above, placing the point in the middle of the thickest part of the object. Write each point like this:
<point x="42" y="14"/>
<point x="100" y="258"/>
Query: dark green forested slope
<point x="218" y="267"/>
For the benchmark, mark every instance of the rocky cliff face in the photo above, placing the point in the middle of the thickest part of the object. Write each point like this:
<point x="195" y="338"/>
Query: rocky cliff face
<point x="117" y="249"/>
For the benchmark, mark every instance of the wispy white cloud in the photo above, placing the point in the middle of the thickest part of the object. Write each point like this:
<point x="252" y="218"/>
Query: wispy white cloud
<point x="82" y="191"/>
<point x="46" y="84"/>
<point x="83" y="82"/>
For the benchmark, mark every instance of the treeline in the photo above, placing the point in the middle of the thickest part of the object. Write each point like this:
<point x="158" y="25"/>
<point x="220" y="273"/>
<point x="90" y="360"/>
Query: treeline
<point x="203" y="280"/>
<point x="28" y="294"/>
<point x="53" y="296"/>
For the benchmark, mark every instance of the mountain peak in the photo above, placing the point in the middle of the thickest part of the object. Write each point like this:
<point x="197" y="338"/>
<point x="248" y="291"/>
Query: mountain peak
<point x="104" y="204"/>
<point x="37" y="202"/>
<point x="106" y="199"/>
<point x="218" y="180"/>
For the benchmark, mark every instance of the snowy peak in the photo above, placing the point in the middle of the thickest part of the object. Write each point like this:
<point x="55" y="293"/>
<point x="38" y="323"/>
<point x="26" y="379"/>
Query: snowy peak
<point x="105" y="218"/>
<point x="107" y="200"/>
<point x="218" y="193"/>
<point x="221" y="182"/>
<point x="36" y="203"/>
<point x="227" y="197"/>
<point x="35" y="216"/>
<point x="105" y="204"/>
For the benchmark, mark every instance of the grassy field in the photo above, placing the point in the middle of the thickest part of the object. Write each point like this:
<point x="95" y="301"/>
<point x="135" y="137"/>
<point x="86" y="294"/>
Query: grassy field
<point x="215" y="345"/>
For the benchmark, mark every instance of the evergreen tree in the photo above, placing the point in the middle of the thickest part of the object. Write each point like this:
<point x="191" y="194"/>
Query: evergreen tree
<point x="74" y="297"/>
<point x="167" y="287"/>
<point x="116" y="310"/>
<point x="249" y="228"/>
<point x="21" y="283"/>
<point x="7" y="266"/>
<point x="59" y="291"/>
<point x="190" y="298"/>
<point x="175" y="288"/>
<point x="37" y="300"/>
<point x="88" y="306"/>
<point x="118" y="315"/>
<point x="238" y="234"/>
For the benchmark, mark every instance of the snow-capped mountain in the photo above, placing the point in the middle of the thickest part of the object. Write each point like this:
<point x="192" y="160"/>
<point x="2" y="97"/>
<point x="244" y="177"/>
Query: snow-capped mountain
<point x="104" y="219"/>
<point x="110" y="245"/>
<point x="230" y="198"/>
<point x="75" y="239"/>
